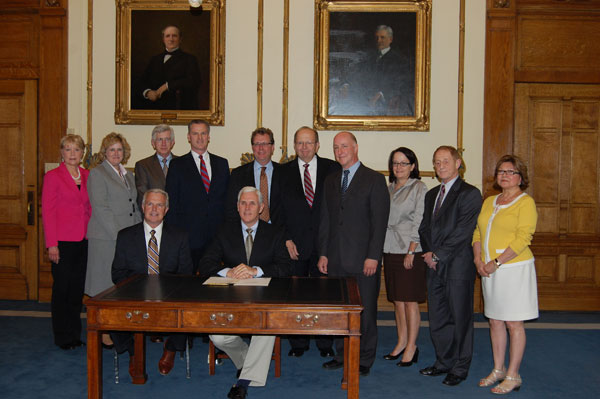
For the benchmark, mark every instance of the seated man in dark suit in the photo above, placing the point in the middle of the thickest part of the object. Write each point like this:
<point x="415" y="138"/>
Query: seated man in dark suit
<point x="247" y="249"/>
<point x="151" y="247"/>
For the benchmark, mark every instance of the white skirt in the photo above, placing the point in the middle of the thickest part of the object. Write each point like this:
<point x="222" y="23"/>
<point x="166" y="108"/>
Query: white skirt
<point x="510" y="293"/>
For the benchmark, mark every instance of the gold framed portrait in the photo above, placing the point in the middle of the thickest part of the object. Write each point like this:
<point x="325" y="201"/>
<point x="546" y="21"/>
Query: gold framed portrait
<point x="170" y="62"/>
<point x="372" y="65"/>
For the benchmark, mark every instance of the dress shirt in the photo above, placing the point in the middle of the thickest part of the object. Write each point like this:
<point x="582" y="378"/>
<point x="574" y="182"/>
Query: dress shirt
<point x="206" y="158"/>
<point x="121" y="168"/>
<point x="407" y="205"/>
<point x="259" y="271"/>
<point x="384" y="51"/>
<point x="157" y="234"/>
<point x="447" y="188"/>
<point x="312" y="169"/>
<point x="269" y="172"/>
<point x="352" y="170"/>
<point x="160" y="159"/>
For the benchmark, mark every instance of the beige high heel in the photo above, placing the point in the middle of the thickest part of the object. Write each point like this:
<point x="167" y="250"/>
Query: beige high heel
<point x="509" y="384"/>
<point x="495" y="376"/>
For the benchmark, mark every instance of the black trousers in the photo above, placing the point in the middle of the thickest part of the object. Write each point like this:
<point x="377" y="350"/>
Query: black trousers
<point x="450" y="305"/>
<point x="123" y="341"/>
<point x="67" y="291"/>
<point x="308" y="268"/>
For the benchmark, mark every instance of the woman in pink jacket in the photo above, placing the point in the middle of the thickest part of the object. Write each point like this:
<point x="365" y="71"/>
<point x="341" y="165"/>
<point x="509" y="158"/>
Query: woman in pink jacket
<point x="66" y="211"/>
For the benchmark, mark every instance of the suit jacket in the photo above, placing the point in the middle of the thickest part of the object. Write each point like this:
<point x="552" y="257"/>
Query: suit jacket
<point x="131" y="255"/>
<point x="448" y="235"/>
<point x="114" y="205"/>
<point x="181" y="73"/>
<point x="243" y="176"/>
<point x="228" y="250"/>
<point x="191" y="208"/>
<point x="353" y="226"/>
<point x="66" y="209"/>
<point x="149" y="174"/>
<point x="301" y="222"/>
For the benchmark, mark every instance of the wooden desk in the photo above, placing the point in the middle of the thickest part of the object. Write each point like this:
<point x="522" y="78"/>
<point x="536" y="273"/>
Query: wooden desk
<point x="313" y="306"/>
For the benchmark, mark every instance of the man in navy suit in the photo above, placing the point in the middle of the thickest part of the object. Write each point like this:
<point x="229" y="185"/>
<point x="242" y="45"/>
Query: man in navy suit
<point x="446" y="231"/>
<point x="245" y="249"/>
<point x="151" y="247"/>
<point x="354" y="216"/>
<point x="262" y="171"/>
<point x="302" y="192"/>
<point x="197" y="186"/>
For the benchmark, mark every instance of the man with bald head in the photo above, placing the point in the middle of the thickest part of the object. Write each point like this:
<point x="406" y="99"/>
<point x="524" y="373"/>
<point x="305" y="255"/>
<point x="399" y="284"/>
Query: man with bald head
<point x="354" y="215"/>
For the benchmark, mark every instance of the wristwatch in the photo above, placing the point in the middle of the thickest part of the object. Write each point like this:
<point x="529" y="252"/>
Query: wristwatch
<point x="434" y="258"/>
<point x="497" y="262"/>
<point x="410" y="253"/>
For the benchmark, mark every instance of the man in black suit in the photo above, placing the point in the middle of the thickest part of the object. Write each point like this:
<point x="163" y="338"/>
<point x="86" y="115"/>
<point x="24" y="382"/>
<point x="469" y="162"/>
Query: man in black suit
<point x="247" y="249"/>
<point x="262" y="173"/>
<point x="302" y="193"/>
<point x="197" y="186"/>
<point x="151" y="247"/>
<point x="171" y="79"/>
<point x="354" y="215"/>
<point x="151" y="172"/>
<point x="446" y="231"/>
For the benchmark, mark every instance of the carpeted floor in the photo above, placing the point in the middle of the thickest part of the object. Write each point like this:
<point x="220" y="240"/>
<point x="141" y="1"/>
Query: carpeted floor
<point x="561" y="361"/>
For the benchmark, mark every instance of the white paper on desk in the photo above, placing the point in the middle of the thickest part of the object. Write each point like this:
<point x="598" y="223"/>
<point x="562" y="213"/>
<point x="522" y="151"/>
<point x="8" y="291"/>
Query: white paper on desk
<point x="258" y="282"/>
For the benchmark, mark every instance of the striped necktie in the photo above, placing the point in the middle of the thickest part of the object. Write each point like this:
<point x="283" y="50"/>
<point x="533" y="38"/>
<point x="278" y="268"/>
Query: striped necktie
<point x="308" y="187"/>
<point x="345" y="182"/>
<point x="152" y="254"/>
<point x="204" y="173"/>
<point x="264" y="190"/>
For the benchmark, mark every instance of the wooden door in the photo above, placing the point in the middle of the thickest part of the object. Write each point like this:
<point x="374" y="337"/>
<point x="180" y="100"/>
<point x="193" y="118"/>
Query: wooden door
<point x="557" y="131"/>
<point x="18" y="190"/>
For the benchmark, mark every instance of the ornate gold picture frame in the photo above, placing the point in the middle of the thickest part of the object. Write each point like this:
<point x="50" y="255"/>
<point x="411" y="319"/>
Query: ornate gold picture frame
<point x="194" y="74"/>
<point x="372" y="65"/>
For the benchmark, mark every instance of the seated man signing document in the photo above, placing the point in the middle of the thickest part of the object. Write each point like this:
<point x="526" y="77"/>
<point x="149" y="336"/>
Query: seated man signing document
<point x="247" y="249"/>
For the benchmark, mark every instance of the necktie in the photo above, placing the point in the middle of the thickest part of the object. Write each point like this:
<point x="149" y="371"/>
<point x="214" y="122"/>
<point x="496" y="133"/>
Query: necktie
<point x="204" y="173"/>
<point x="308" y="188"/>
<point x="165" y="168"/>
<point x="264" y="190"/>
<point x="345" y="182"/>
<point x="152" y="254"/>
<point x="249" y="243"/>
<point x="438" y="203"/>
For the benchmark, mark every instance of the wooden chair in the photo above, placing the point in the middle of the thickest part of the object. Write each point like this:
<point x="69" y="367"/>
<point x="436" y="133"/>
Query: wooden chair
<point x="212" y="357"/>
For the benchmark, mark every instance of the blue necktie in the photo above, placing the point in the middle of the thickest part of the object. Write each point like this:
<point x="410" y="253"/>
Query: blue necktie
<point x="345" y="181"/>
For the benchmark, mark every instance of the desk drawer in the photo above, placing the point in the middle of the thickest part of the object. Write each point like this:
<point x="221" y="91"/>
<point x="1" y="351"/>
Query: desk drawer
<point x="307" y="321"/>
<point x="125" y="317"/>
<point x="222" y="318"/>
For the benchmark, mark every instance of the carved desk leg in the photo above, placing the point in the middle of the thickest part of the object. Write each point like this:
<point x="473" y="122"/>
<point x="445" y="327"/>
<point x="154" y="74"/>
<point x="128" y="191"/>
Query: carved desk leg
<point x="94" y="364"/>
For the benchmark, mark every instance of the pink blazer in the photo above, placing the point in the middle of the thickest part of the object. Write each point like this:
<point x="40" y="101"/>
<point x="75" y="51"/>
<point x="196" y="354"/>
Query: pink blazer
<point x="66" y="209"/>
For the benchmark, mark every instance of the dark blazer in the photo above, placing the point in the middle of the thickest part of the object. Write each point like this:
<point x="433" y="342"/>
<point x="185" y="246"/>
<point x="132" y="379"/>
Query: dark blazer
<point x="449" y="233"/>
<point x="190" y="207"/>
<point x="300" y="221"/>
<point x="131" y="255"/>
<point x="149" y="174"/>
<point x="228" y="250"/>
<point x="182" y="74"/>
<point x="353" y="226"/>
<point x="243" y="176"/>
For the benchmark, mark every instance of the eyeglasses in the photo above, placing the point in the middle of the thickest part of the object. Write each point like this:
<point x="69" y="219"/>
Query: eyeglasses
<point x="261" y="144"/>
<point x="163" y="139"/>
<point x="403" y="164"/>
<point x="509" y="172"/>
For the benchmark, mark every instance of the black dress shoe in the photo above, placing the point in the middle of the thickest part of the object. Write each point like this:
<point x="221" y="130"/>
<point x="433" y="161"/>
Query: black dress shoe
<point x="77" y="343"/>
<point x="414" y="359"/>
<point x="109" y="347"/>
<point x="432" y="371"/>
<point x="333" y="365"/>
<point x="295" y="352"/>
<point x="452" y="380"/>
<point x="389" y="356"/>
<point x="237" y="393"/>
<point x="364" y="370"/>
<point x="327" y="352"/>
<point x="238" y="373"/>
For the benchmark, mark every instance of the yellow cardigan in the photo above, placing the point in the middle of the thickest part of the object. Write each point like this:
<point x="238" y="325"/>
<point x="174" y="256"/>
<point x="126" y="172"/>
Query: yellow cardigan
<point x="512" y="226"/>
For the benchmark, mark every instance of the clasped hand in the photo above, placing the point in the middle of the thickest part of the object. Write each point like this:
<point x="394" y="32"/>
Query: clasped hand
<point x="242" y="271"/>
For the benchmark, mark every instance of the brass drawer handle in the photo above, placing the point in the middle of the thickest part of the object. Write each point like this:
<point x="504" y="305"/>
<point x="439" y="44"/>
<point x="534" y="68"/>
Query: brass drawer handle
<point x="137" y="316"/>
<point x="221" y="319"/>
<point x="307" y="320"/>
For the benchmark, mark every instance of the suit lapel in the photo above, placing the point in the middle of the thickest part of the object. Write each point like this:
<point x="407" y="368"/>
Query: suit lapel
<point x="450" y="197"/>
<point x="140" y="247"/>
<point x="156" y="168"/>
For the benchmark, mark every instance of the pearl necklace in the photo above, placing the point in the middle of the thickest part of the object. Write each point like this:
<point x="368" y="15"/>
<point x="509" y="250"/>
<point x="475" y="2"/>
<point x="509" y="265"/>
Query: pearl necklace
<point x="78" y="175"/>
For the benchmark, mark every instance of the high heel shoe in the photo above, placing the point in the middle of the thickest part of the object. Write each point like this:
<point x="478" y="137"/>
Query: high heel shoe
<point x="508" y="385"/>
<point x="495" y="376"/>
<point x="414" y="359"/>
<point x="389" y="356"/>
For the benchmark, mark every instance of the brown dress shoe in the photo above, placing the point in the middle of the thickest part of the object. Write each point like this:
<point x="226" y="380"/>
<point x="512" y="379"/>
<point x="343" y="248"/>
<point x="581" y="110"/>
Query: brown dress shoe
<point x="165" y="364"/>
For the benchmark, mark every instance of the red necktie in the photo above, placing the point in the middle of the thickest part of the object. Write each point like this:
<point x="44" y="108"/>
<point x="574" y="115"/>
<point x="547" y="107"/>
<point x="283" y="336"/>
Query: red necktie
<point x="204" y="173"/>
<point x="308" y="188"/>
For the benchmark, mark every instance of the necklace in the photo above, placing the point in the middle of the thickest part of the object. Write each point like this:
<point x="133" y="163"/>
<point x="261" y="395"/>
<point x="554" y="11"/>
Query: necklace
<point x="76" y="177"/>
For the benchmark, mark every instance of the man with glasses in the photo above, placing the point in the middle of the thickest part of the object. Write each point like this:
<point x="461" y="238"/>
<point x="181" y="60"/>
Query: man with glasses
<point x="261" y="173"/>
<point x="151" y="172"/>
<point x="301" y="206"/>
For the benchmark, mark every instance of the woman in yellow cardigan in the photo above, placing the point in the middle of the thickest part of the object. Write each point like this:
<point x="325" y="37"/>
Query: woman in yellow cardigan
<point x="506" y="265"/>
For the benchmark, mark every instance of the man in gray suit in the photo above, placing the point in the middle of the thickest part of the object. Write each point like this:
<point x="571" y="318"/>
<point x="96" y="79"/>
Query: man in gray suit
<point x="354" y="215"/>
<point x="151" y="172"/>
